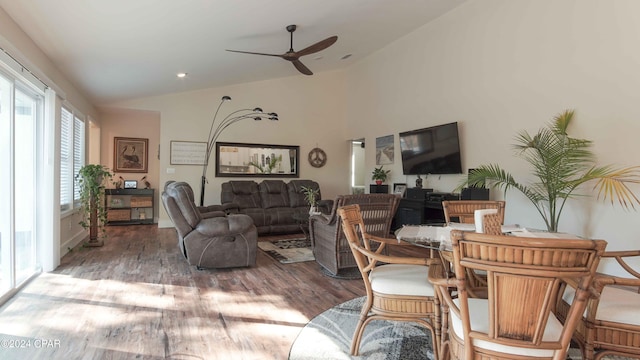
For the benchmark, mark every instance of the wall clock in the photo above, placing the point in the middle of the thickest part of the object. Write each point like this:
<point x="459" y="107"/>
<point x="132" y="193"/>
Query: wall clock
<point x="317" y="157"/>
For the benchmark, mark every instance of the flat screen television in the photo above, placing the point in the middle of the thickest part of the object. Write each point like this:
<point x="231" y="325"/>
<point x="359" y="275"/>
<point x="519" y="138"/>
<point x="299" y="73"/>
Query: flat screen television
<point x="432" y="150"/>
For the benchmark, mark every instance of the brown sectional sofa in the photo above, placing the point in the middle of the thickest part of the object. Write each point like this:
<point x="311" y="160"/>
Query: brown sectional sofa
<point x="270" y="203"/>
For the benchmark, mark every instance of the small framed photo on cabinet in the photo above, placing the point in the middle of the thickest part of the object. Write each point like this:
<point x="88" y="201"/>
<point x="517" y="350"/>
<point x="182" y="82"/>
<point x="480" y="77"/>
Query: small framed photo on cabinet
<point x="399" y="189"/>
<point x="130" y="184"/>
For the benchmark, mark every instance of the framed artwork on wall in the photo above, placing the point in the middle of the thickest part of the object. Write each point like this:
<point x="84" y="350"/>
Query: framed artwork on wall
<point x="130" y="155"/>
<point x="384" y="150"/>
<point x="187" y="152"/>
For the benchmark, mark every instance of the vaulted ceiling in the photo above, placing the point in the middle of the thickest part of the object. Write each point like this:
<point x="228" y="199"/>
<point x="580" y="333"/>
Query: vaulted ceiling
<point x="120" y="49"/>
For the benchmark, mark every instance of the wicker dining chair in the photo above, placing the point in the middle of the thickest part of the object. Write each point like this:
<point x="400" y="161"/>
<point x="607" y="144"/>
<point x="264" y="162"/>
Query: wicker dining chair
<point x="524" y="279"/>
<point x="397" y="288"/>
<point x="492" y="223"/>
<point x="611" y="324"/>
<point x="464" y="210"/>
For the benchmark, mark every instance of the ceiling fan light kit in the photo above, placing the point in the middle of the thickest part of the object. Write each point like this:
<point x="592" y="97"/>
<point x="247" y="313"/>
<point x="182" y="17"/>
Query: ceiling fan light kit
<point x="294" y="56"/>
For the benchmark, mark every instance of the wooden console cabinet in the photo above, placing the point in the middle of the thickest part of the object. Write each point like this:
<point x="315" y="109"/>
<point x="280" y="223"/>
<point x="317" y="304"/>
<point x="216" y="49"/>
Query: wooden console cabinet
<point x="129" y="206"/>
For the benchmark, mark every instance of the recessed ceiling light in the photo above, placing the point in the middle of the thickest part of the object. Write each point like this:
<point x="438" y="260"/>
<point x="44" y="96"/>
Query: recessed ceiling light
<point x="319" y="57"/>
<point x="181" y="75"/>
<point x="345" y="57"/>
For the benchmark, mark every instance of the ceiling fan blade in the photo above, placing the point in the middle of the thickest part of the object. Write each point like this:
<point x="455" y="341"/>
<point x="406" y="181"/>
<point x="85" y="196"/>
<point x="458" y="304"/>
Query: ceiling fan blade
<point x="254" y="53"/>
<point x="300" y="66"/>
<point x="319" y="46"/>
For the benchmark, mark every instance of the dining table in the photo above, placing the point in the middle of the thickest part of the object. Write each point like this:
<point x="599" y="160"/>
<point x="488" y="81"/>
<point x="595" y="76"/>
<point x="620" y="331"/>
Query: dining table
<point x="438" y="237"/>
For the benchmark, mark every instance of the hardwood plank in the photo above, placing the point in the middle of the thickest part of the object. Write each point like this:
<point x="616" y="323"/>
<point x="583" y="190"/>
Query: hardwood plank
<point x="136" y="297"/>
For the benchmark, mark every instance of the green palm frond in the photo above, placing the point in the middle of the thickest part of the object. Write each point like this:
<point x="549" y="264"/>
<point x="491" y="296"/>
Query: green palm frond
<point x="560" y="165"/>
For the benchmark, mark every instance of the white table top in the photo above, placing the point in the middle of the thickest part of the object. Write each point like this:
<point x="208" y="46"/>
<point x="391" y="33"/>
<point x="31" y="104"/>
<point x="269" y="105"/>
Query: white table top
<point x="440" y="236"/>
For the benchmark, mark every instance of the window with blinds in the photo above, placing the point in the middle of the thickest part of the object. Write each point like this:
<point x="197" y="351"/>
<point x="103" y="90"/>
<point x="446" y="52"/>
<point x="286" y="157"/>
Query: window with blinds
<point x="78" y="153"/>
<point x="72" y="145"/>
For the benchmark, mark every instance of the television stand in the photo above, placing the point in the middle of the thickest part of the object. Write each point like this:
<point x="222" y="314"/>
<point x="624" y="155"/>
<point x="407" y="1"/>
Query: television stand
<point x="421" y="207"/>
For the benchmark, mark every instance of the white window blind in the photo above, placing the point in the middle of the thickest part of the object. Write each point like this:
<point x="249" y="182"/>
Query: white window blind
<point x="72" y="145"/>
<point x="78" y="153"/>
<point x="66" y="159"/>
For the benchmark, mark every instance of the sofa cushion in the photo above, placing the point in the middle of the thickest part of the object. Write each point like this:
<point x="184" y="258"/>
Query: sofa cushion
<point x="273" y="194"/>
<point x="244" y="193"/>
<point x="258" y="215"/>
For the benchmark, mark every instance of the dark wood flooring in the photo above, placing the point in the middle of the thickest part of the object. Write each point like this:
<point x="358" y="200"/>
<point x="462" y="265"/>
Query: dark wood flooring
<point x="137" y="298"/>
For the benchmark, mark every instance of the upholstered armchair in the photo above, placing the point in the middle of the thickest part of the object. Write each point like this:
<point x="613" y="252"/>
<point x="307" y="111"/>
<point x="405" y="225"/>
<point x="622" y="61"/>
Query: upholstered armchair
<point x="209" y="242"/>
<point x="328" y="241"/>
<point x="209" y="210"/>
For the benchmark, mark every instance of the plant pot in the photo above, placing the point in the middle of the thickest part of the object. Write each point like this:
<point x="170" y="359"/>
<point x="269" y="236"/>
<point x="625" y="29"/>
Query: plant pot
<point x="378" y="182"/>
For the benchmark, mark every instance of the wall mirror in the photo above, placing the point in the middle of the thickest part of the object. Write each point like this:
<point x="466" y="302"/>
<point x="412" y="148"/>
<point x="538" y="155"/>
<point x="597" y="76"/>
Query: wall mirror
<point x="257" y="160"/>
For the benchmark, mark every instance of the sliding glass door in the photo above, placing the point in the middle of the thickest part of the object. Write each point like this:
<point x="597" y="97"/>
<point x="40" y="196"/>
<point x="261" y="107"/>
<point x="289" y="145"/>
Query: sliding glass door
<point x="20" y="114"/>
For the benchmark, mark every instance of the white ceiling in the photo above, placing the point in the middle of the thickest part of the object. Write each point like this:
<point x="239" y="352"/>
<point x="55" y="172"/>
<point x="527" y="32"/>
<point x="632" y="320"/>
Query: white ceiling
<point x="114" y="50"/>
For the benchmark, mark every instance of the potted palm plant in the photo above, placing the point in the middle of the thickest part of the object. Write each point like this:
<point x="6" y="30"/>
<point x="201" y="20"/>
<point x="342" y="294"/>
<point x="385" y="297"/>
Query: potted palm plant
<point x="560" y="165"/>
<point x="91" y="179"/>
<point x="379" y="175"/>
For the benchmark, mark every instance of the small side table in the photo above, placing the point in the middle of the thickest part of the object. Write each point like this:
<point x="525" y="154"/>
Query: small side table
<point x="302" y="218"/>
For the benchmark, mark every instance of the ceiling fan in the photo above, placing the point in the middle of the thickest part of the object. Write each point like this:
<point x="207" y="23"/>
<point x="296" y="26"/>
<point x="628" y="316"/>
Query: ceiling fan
<point x="293" y="56"/>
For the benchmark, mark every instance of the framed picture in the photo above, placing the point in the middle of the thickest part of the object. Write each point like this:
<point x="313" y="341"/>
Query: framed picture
<point x="130" y="155"/>
<point x="399" y="189"/>
<point x="384" y="150"/>
<point x="130" y="184"/>
<point x="256" y="160"/>
<point x="188" y="152"/>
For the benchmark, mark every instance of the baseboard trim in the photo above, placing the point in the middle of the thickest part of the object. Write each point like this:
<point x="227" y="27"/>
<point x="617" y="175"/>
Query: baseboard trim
<point x="73" y="242"/>
<point x="165" y="224"/>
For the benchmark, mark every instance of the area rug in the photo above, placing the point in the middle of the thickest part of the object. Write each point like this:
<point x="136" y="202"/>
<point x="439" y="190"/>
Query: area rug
<point x="328" y="336"/>
<point x="288" y="251"/>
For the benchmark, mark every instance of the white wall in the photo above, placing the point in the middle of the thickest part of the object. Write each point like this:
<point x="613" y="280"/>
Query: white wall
<point x="133" y="124"/>
<point x="498" y="67"/>
<point x="311" y="112"/>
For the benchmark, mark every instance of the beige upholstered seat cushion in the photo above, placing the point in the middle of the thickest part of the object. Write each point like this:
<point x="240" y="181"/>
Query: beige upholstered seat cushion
<point x="479" y="310"/>
<point x="400" y="279"/>
<point x="616" y="305"/>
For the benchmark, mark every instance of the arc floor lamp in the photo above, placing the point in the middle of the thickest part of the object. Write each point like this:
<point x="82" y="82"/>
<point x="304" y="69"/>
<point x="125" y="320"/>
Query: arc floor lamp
<point x="256" y="114"/>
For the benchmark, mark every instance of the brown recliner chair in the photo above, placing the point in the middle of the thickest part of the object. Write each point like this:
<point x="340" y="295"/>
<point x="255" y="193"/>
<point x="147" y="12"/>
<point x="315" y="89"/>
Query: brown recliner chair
<point x="209" y="242"/>
<point x="328" y="241"/>
<point x="209" y="210"/>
